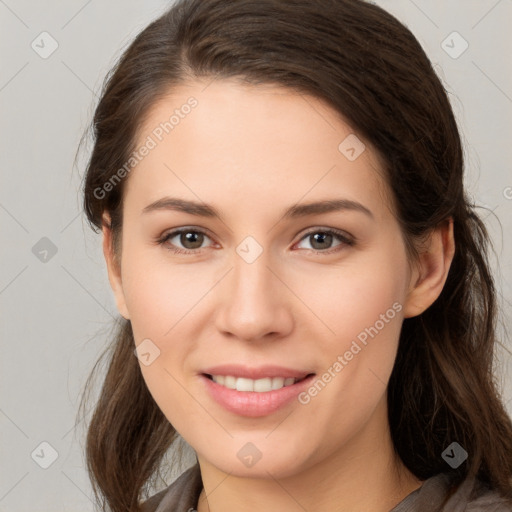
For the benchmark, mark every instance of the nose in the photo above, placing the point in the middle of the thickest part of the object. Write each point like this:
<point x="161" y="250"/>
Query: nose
<point x="254" y="303"/>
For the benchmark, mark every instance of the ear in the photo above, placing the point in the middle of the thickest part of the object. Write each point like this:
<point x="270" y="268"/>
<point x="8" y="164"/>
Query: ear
<point x="113" y="266"/>
<point x="431" y="271"/>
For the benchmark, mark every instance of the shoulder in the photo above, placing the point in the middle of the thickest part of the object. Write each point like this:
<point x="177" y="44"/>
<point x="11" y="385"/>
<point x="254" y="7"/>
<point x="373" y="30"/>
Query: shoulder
<point x="180" y="496"/>
<point x="490" y="503"/>
<point x="442" y="493"/>
<point x="484" y="499"/>
<point x="473" y="495"/>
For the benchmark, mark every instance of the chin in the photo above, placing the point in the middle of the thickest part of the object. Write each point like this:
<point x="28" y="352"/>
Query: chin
<point x="257" y="457"/>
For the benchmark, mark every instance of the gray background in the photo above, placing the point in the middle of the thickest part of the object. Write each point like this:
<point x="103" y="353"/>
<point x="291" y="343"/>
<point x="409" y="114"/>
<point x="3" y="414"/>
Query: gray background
<point x="56" y="309"/>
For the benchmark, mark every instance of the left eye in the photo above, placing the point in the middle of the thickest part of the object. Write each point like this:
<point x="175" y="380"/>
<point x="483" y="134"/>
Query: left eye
<point x="321" y="240"/>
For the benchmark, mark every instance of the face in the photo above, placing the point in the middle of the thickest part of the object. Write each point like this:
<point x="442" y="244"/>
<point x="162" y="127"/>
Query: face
<point x="255" y="287"/>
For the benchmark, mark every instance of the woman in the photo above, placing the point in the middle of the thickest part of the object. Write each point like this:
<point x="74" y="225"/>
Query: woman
<point x="305" y="288"/>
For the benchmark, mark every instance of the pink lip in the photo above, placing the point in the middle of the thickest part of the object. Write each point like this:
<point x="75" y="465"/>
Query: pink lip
<point x="255" y="373"/>
<point x="251" y="403"/>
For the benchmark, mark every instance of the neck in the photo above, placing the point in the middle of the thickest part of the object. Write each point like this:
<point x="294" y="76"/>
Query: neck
<point x="366" y="475"/>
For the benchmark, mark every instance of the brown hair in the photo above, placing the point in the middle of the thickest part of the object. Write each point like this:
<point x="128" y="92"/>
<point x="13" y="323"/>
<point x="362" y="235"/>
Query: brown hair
<point x="370" y="68"/>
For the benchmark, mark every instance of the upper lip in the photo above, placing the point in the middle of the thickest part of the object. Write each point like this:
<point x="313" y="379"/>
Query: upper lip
<point x="254" y="373"/>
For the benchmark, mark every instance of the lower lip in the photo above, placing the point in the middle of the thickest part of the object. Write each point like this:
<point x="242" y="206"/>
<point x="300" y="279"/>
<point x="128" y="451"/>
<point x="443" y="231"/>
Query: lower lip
<point x="252" y="403"/>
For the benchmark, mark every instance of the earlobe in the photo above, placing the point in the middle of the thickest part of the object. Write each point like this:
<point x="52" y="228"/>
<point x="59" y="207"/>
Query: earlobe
<point x="432" y="269"/>
<point x="113" y="267"/>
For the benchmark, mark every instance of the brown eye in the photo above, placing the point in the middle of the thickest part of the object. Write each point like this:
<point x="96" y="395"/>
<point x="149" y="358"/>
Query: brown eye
<point x="191" y="239"/>
<point x="184" y="240"/>
<point x="322" y="240"/>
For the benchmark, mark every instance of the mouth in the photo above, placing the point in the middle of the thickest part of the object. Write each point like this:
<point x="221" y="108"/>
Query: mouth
<point x="254" y="392"/>
<point x="262" y="385"/>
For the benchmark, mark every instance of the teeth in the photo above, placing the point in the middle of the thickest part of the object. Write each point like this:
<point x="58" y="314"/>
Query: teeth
<point x="277" y="382"/>
<point x="259" y="385"/>
<point x="262" y="385"/>
<point x="244" y="384"/>
<point x="229" y="382"/>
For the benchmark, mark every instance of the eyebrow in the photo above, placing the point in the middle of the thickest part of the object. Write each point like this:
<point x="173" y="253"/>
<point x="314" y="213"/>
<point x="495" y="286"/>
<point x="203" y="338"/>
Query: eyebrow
<point x="293" y="212"/>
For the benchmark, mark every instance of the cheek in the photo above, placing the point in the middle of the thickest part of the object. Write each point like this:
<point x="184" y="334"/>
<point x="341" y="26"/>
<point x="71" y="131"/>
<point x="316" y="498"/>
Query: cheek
<point x="366" y="319"/>
<point x="364" y="308"/>
<point x="359" y="295"/>
<point x="162" y="300"/>
<point x="159" y="295"/>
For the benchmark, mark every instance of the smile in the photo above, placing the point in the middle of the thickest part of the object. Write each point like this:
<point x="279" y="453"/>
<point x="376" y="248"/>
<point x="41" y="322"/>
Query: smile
<point x="255" y="397"/>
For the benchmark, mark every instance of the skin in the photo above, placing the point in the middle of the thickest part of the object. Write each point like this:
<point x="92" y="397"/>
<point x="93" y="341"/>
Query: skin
<point x="251" y="152"/>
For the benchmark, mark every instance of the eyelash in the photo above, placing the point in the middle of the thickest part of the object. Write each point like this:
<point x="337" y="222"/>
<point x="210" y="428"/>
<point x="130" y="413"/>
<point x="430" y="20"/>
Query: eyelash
<point x="342" y="237"/>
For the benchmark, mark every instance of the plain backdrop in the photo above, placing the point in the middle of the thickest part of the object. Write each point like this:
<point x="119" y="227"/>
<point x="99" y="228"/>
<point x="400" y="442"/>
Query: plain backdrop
<point x="55" y="301"/>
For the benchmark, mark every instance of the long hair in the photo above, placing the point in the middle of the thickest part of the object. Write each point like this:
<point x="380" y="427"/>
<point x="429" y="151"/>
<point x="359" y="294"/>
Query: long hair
<point x="369" y="68"/>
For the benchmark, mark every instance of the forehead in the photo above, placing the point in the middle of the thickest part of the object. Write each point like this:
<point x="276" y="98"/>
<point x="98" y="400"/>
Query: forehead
<point x="224" y="139"/>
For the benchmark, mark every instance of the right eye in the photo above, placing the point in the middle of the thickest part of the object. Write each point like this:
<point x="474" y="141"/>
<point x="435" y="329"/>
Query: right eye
<point x="190" y="239"/>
